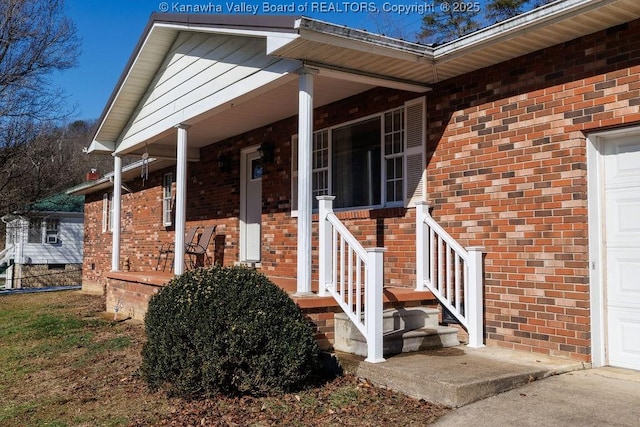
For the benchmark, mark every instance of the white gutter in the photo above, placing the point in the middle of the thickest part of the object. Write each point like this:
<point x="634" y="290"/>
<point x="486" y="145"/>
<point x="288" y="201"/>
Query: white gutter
<point x="541" y="16"/>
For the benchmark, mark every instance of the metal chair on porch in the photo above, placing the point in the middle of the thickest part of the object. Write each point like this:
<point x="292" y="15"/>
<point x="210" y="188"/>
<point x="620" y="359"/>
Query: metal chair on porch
<point x="167" y="249"/>
<point x="197" y="252"/>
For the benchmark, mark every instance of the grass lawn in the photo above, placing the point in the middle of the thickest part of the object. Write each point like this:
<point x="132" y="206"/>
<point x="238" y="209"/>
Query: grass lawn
<point x="64" y="363"/>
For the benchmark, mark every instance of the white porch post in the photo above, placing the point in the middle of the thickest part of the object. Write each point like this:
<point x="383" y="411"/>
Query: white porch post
<point x="422" y="245"/>
<point x="117" y="207"/>
<point x="325" y="233"/>
<point x="373" y="305"/>
<point x="305" y="143"/>
<point x="181" y="199"/>
<point x="476" y="297"/>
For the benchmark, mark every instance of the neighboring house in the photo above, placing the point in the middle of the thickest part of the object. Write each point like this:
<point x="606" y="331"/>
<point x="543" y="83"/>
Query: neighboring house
<point x="524" y="137"/>
<point x="44" y="245"/>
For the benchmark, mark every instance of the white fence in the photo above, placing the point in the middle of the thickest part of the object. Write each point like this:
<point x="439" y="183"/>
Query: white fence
<point x="453" y="274"/>
<point x="353" y="276"/>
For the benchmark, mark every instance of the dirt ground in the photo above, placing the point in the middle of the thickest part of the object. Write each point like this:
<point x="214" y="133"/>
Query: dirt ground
<point x="63" y="362"/>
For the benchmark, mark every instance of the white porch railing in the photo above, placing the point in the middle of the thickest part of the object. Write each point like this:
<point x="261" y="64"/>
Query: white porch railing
<point x="352" y="275"/>
<point x="4" y="252"/>
<point x="453" y="274"/>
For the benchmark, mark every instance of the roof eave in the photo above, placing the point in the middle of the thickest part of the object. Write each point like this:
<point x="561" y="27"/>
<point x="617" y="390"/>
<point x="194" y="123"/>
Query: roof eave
<point x="281" y="27"/>
<point x="526" y="22"/>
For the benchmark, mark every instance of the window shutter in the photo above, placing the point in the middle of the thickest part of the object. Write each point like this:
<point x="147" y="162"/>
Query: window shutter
<point x="294" y="176"/>
<point x="105" y="212"/>
<point x="414" y="149"/>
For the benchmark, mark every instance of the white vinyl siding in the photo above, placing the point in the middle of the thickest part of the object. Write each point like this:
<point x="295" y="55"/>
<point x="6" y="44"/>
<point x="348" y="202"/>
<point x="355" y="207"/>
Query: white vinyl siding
<point x="67" y="250"/>
<point x="167" y="199"/>
<point x="200" y="73"/>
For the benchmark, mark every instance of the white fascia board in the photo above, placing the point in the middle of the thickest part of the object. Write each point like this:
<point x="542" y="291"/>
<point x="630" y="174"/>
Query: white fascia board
<point x="101" y="147"/>
<point x="276" y="42"/>
<point x="528" y="21"/>
<point x="349" y="38"/>
<point x="126" y="78"/>
<point x="244" y="32"/>
<point x="353" y="76"/>
<point x="275" y="39"/>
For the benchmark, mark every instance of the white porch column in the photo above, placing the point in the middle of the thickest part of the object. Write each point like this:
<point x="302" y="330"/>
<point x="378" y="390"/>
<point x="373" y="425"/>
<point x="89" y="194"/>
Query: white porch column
<point x="305" y="144"/>
<point x="476" y="297"/>
<point x="117" y="207"/>
<point x="181" y="199"/>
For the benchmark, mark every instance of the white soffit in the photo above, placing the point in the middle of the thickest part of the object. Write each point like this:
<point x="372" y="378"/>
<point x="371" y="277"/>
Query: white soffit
<point x="541" y="28"/>
<point x="360" y="51"/>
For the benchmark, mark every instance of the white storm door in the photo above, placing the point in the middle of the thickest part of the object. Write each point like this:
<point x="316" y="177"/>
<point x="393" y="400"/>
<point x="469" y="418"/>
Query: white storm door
<point x="251" y="208"/>
<point x="622" y="250"/>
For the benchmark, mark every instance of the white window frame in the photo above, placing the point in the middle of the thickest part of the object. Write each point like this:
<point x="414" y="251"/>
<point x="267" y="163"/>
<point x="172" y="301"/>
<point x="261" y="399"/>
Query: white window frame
<point x="316" y="168"/>
<point x="394" y="132"/>
<point x="29" y="229"/>
<point x="167" y="199"/>
<point x="52" y="230"/>
<point x="107" y="212"/>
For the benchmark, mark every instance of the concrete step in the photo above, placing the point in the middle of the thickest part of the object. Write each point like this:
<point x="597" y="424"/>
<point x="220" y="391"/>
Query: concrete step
<point x="457" y="376"/>
<point x="405" y="330"/>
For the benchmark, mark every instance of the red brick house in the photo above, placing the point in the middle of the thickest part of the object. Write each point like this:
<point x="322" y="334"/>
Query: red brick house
<point x="524" y="138"/>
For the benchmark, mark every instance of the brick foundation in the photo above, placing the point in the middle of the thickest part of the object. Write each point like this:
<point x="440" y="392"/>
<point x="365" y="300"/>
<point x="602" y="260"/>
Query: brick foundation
<point x="45" y="275"/>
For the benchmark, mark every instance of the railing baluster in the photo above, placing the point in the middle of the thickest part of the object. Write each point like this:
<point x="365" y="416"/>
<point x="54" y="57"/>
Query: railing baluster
<point x="448" y="273"/>
<point x="432" y="256"/>
<point x="440" y="266"/>
<point x="455" y="275"/>
<point x="350" y="278"/>
<point x="334" y="281"/>
<point x="457" y="281"/>
<point x="359" y="287"/>
<point x="342" y="267"/>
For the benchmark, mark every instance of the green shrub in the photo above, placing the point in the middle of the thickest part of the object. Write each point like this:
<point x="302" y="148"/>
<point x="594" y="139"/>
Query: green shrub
<point x="226" y="330"/>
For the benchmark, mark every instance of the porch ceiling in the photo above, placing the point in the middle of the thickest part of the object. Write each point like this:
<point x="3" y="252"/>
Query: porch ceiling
<point x="277" y="104"/>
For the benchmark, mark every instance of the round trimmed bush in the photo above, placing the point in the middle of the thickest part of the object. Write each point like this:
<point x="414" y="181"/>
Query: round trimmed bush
<point x="228" y="330"/>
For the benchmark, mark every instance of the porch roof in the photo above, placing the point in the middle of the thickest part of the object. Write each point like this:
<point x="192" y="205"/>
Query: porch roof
<point x="348" y="61"/>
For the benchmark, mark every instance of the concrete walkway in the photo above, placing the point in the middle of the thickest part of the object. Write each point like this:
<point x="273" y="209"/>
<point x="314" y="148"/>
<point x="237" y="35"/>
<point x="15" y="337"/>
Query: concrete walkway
<point x="593" y="397"/>
<point x="498" y="387"/>
<point x="458" y="376"/>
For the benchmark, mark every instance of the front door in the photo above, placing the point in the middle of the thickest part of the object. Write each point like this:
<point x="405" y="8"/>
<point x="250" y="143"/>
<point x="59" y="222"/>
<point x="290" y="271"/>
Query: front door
<point x="622" y="250"/>
<point x="251" y="206"/>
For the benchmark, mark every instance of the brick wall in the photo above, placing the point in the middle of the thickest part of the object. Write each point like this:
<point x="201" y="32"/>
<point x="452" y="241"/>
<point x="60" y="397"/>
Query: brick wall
<point x="507" y="171"/>
<point x="213" y="197"/>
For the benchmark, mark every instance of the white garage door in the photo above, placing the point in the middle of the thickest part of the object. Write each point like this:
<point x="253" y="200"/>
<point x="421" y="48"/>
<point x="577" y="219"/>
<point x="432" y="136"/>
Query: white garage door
<point x="622" y="250"/>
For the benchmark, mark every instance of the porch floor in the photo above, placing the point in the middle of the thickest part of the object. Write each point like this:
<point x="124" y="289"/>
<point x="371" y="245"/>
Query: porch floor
<point x="390" y="294"/>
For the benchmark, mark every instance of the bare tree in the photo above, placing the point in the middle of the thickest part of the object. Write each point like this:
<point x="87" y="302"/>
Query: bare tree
<point x="36" y="40"/>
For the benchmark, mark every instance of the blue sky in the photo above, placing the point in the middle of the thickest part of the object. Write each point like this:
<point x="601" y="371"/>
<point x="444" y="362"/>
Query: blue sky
<point x="110" y="30"/>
